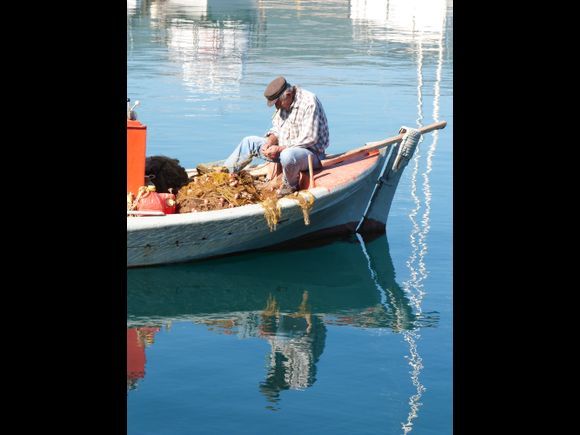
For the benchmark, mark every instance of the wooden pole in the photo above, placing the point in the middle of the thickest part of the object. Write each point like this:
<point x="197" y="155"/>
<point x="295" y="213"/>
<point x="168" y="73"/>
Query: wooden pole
<point x="311" y="172"/>
<point x="369" y="146"/>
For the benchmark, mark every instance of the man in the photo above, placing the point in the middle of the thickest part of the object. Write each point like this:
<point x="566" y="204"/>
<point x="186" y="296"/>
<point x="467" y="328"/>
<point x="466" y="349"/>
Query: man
<point x="299" y="129"/>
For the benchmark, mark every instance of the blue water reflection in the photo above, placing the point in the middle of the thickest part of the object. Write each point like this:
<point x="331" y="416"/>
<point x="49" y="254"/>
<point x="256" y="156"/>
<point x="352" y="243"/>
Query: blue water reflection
<point x="292" y="308"/>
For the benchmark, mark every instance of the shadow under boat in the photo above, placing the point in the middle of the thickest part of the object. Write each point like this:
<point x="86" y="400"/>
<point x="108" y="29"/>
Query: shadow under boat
<point x="335" y="274"/>
<point x="288" y="298"/>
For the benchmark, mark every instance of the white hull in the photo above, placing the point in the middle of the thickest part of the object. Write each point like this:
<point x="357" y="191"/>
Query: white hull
<point x="190" y="236"/>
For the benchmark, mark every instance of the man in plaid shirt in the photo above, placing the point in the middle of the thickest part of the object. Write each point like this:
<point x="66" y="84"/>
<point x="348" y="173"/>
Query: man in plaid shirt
<point x="299" y="129"/>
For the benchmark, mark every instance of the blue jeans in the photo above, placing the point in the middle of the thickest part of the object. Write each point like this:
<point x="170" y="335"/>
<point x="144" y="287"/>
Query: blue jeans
<point x="293" y="160"/>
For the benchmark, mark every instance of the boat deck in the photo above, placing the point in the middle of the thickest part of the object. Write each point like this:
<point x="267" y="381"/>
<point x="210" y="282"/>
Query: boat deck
<point x="336" y="174"/>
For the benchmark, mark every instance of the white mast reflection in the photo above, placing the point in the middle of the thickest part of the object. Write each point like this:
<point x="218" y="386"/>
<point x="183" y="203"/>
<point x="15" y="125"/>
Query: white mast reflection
<point x="412" y="285"/>
<point x="399" y="319"/>
<point x="415" y="285"/>
<point x="421" y="25"/>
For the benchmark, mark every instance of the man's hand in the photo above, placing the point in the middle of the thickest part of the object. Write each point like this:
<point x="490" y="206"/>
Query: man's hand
<point x="271" y="140"/>
<point x="272" y="151"/>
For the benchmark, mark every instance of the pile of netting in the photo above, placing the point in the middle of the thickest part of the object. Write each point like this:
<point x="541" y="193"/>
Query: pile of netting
<point x="219" y="190"/>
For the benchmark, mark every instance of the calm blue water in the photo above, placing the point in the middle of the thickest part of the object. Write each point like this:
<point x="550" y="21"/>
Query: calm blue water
<point x="347" y="338"/>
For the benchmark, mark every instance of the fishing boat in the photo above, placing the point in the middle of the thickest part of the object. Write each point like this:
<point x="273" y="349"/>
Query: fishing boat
<point x="352" y="192"/>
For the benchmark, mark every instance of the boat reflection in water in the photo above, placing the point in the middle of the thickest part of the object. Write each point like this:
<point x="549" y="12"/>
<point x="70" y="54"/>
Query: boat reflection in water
<point x="286" y="297"/>
<point x="137" y="340"/>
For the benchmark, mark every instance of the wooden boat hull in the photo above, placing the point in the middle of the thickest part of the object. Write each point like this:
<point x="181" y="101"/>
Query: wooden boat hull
<point x="191" y="236"/>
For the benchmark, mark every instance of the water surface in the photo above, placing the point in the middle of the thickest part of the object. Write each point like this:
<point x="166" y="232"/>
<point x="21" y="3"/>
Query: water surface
<point x="351" y="337"/>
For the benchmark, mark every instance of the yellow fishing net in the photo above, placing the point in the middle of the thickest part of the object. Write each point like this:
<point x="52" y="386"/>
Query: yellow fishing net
<point x="219" y="190"/>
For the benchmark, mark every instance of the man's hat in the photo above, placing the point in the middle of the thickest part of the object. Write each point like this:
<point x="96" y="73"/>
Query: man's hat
<point x="275" y="89"/>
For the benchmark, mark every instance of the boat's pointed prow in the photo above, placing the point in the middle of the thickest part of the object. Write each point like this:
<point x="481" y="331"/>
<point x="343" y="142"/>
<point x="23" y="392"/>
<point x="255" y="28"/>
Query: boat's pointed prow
<point x="379" y="203"/>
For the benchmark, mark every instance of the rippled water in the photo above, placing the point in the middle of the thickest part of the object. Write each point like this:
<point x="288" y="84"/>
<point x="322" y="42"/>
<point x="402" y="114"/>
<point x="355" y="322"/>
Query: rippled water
<point x="352" y="337"/>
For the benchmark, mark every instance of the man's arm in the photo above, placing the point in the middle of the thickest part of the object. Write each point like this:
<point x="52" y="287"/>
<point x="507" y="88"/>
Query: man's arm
<point x="271" y="149"/>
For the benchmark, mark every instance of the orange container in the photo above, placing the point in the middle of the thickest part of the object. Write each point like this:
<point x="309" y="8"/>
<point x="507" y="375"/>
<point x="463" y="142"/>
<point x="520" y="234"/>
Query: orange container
<point x="136" y="138"/>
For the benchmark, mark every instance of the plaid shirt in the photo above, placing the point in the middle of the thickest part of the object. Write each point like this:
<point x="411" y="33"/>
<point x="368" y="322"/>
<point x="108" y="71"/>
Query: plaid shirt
<point x="304" y="125"/>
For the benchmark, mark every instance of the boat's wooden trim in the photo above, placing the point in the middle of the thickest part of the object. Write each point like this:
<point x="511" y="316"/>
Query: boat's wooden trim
<point x="370" y="146"/>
